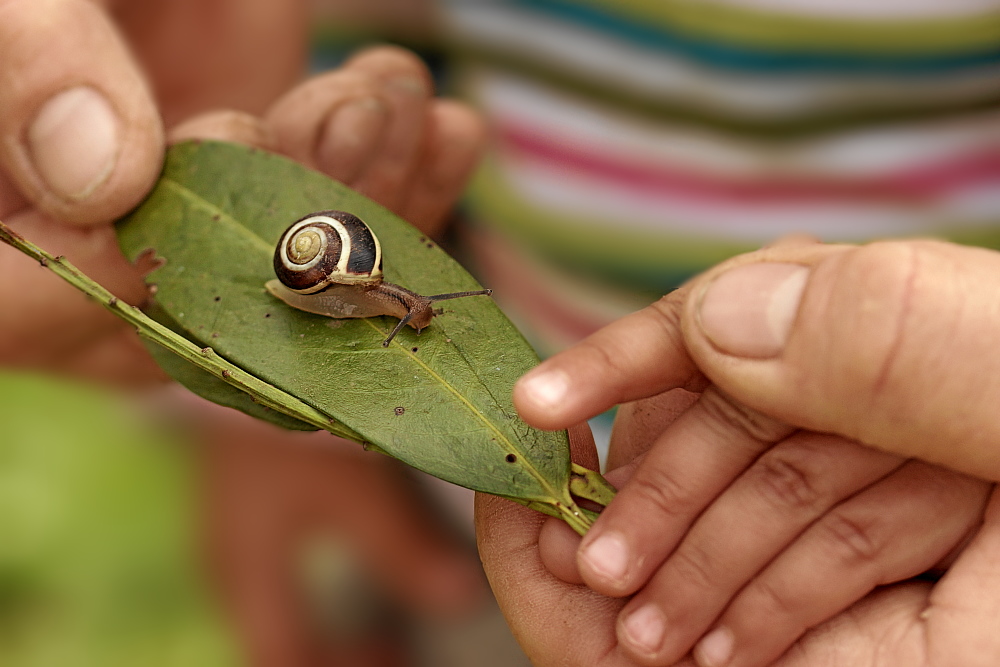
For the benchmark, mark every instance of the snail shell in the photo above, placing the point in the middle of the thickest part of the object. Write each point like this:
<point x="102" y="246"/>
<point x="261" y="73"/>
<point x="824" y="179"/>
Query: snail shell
<point x="330" y="263"/>
<point x="326" y="248"/>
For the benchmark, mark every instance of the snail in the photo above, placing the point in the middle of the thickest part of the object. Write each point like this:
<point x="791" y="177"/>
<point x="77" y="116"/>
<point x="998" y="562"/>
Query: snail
<point x="330" y="263"/>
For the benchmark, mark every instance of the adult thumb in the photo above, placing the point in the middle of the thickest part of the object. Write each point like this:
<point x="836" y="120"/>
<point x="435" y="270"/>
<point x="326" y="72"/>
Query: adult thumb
<point x="893" y="344"/>
<point x="80" y="135"/>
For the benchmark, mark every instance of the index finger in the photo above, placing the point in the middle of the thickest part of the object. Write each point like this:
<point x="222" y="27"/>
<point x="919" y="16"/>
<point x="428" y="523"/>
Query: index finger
<point x="640" y="355"/>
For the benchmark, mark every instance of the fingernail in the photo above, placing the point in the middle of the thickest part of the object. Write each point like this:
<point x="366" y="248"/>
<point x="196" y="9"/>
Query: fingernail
<point x="644" y="629"/>
<point x="74" y="142"/>
<point x="607" y="556"/>
<point x="715" y="649"/>
<point x="749" y="311"/>
<point x="546" y="389"/>
<point x="351" y="135"/>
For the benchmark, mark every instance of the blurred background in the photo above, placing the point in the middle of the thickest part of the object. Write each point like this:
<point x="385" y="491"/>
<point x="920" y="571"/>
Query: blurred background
<point x="115" y="547"/>
<point x="633" y="143"/>
<point x="98" y="564"/>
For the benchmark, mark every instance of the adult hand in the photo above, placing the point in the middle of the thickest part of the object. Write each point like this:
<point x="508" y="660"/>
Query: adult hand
<point x="609" y="361"/>
<point x="84" y="87"/>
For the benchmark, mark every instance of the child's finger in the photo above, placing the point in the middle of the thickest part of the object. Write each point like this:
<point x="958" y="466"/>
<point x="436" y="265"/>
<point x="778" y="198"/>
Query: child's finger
<point x="892" y="344"/>
<point x="895" y="530"/>
<point x="696" y="459"/>
<point x="640" y="355"/>
<point x="780" y="495"/>
<point x="638" y="424"/>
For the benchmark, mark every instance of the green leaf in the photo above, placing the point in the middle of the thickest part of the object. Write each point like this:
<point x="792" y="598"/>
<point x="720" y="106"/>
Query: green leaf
<point x="209" y="387"/>
<point x="439" y="401"/>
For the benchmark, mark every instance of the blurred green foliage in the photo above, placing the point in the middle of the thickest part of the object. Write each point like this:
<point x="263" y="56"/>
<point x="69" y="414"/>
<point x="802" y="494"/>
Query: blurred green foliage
<point x="98" y="565"/>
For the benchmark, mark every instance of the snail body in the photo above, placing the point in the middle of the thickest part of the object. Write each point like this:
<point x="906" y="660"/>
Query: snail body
<point x="330" y="263"/>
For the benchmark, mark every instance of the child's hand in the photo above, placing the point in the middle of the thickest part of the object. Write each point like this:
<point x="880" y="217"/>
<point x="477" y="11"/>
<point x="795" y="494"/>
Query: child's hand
<point x="730" y="518"/>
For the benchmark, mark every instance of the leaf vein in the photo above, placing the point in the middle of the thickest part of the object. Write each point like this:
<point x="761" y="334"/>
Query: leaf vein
<point x="225" y="217"/>
<point x="503" y="440"/>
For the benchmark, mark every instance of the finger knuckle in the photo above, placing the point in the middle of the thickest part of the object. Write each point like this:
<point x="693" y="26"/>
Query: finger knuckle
<point x="852" y="540"/>
<point x="660" y="494"/>
<point x="667" y="310"/>
<point x="772" y="599"/>
<point x="731" y="417"/>
<point x="666" y="320"/>
<point x="693" y="566"/>
<point x="787" y="483"/>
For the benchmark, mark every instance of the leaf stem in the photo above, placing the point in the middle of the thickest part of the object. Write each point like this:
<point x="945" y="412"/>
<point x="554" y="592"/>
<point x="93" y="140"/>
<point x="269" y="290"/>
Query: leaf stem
<point x="204" y="358"/>
<point x="578" y="518"/>
<point x="591" y="485"/>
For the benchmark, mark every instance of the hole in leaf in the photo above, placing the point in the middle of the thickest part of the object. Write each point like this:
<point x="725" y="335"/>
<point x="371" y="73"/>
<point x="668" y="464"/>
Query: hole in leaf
<point x="511" y="458"/>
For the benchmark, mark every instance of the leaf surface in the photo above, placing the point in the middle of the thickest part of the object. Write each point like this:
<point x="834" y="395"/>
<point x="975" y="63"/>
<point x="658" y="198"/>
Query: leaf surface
<point x="440" y="401"/>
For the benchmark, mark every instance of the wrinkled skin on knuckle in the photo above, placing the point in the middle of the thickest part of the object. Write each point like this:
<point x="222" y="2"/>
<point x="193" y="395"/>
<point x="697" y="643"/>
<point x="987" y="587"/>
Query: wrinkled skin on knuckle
<point x="610" y="366"/>
<point x="667" y="314"/>
<point x="656" y="492"/>
<point x="668" y="309"/>
<point x="695" y="567"/>
<point x="787" y="480"/>
<point x="855" y="541"/>
<point x="731" y="419"/>
<point x="773" y="599"/>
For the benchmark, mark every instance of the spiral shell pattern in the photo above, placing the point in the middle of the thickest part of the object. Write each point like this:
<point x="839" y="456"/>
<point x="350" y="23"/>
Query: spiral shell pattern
<point x="325" y="248"/>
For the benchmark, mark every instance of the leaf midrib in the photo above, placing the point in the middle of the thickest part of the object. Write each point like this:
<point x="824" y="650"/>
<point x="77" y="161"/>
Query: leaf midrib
<point x="241" y="229"/>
